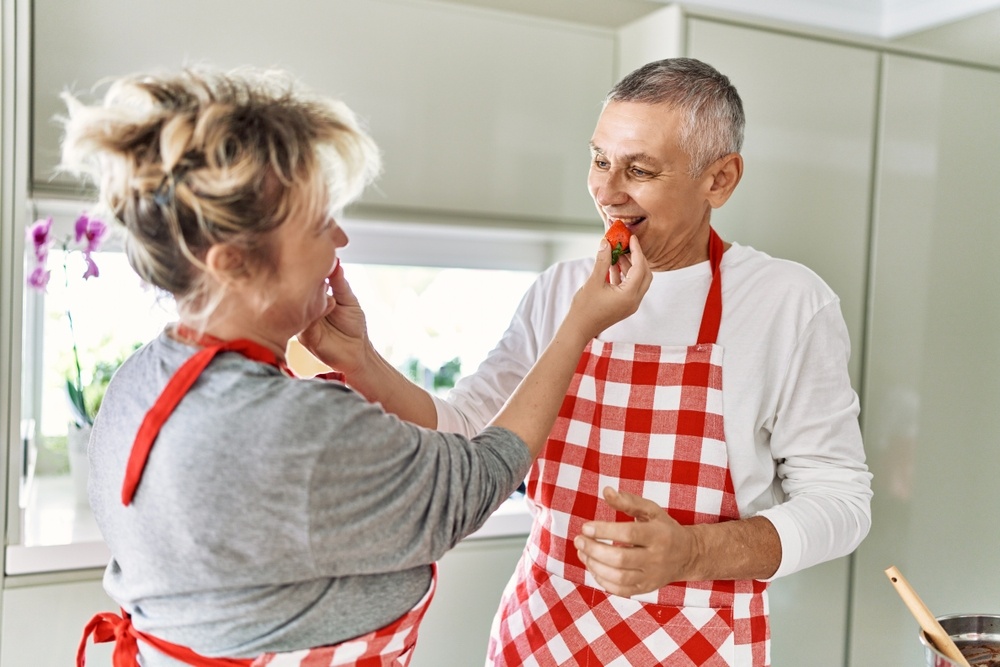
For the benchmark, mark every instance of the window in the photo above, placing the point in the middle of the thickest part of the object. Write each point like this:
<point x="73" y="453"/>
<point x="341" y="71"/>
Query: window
<point x="435" y="322"/>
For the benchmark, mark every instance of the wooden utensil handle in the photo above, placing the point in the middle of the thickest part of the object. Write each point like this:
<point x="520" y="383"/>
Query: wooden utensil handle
<point x="941" y="639"/>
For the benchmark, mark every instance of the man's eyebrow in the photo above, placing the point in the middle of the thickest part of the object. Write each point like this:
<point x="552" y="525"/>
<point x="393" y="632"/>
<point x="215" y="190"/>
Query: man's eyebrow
<point x="630" y="158"/>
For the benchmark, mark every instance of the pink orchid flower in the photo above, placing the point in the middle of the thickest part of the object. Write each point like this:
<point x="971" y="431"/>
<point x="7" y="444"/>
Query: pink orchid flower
<point x="89" y="233"/>
<point x="39" y="278"/>
<point x="38" y="235"/>
<point x="91" y="229"/>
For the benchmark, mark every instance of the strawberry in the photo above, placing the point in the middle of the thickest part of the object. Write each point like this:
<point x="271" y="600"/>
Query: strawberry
<point x="618" y="236"/>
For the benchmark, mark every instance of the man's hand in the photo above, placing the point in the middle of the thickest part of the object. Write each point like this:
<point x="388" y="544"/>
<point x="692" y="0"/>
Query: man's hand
<point x="654" y="550"/>
<point x="644" y="555"/>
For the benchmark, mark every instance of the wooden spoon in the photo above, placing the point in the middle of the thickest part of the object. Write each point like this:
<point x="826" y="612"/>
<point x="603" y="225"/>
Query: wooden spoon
<point x="941" y="640"/>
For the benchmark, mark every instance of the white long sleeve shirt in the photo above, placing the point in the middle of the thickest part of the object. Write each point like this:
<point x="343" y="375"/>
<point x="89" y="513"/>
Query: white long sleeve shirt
<point x="790" y="413"/>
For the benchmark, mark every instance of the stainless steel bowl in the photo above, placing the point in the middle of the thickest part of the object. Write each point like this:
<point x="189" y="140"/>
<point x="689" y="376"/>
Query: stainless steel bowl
<point x="976" y="635"/>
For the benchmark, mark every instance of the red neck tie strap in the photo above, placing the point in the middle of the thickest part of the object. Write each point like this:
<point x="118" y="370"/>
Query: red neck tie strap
<point x="712" y="317"/>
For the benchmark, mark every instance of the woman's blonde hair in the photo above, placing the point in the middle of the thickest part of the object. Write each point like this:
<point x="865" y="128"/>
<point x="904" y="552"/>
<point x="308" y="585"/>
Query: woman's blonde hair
<point x="190" y="159"/>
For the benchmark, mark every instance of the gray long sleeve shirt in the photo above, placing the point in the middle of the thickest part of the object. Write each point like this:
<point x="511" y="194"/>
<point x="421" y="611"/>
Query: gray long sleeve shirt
<point x="277" y="513"/>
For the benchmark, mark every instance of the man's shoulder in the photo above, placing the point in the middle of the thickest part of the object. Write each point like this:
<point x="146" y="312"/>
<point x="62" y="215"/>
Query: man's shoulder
<point x="748" y="262"/>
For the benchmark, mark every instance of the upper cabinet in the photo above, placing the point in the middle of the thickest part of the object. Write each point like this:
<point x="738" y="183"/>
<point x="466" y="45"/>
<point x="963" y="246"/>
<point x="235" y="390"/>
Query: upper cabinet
<point x="476" y="111"/>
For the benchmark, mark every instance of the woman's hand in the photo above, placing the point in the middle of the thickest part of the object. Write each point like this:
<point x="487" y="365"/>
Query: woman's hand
<point x="340" y="338"/>
<point x="612" y="293"/>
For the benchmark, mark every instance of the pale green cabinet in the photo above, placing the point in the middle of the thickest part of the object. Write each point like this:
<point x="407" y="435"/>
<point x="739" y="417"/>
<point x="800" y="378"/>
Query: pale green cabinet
<point x="805" y="196"/>
<point x="42" y="624"/>
<point x="879" y="171"/>
<point x="479" y="114"/>
<point x="932" y="399"/>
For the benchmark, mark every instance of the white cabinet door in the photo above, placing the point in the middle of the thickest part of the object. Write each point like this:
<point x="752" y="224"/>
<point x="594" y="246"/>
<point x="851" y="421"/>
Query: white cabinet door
<point x="471" y="578"/>
<point x="810" y="108"/>
<point x="42" y="625"/>
<point x="475" y="110"/>
<point x="932" y="408"/>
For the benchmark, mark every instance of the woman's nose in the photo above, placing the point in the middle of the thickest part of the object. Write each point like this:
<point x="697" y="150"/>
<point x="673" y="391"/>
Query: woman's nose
<point x="340" y="237"/>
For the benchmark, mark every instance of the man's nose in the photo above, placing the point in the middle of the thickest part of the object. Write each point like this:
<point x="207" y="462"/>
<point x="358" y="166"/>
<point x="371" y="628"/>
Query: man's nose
<point x="608" y="188"/>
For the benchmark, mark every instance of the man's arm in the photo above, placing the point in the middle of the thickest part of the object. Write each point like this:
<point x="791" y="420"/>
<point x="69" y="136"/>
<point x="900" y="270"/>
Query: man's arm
<point x="654" y="550"/>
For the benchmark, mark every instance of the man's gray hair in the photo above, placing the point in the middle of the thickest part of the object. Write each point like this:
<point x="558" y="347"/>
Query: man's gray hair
<point x="713" y="119"/>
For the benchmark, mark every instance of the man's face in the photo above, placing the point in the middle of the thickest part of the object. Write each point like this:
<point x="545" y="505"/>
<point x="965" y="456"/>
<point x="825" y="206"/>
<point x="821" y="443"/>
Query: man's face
<point x="639" y="174"/>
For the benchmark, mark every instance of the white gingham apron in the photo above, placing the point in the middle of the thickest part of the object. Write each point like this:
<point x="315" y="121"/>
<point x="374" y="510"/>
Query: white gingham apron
<point x="389" y="646"/>
<point x="647" y="420"/>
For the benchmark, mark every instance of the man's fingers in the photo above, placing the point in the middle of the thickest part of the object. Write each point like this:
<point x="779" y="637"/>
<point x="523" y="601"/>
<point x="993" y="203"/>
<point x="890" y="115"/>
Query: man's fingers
<point x="635" y="506"/>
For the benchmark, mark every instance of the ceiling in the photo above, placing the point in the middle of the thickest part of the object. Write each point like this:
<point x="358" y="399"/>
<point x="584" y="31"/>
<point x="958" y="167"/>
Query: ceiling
<point x="884" y="19"/>
<point x="967" y="29"/>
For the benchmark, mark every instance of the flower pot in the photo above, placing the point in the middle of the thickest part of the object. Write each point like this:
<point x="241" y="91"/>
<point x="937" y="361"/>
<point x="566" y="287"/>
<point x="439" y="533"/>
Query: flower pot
<point x="77" y="440"/>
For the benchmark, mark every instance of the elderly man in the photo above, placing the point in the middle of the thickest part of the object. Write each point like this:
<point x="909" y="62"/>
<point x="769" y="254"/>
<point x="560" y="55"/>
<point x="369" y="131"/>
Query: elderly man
<point x="707" y="445"/>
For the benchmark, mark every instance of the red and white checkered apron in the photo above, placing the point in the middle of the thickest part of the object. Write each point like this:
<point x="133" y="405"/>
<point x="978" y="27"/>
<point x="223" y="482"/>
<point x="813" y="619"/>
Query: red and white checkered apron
<point x="647" y="420"/>
<point x="389" y="646"/>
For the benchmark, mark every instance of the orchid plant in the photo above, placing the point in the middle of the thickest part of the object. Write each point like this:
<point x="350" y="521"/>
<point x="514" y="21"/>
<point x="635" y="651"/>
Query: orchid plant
<point x="88" y="234"/>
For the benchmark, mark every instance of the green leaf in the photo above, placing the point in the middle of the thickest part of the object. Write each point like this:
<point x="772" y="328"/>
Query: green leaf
<point x="77" y="404"/>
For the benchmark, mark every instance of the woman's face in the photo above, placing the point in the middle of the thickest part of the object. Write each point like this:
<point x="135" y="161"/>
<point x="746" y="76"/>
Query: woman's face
<point x="304" y="251"/>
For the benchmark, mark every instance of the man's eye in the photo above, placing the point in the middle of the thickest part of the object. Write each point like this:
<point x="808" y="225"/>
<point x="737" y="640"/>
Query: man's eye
<point x="601" y="164"/>
<point x="640" y="172"/>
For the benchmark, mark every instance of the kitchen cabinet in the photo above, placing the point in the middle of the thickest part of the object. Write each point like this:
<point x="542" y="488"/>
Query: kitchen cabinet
<point x="471" y="579"/>
<point x="932" y="422"/>
<point x="42" y="624"/>
<point x="805" y="196"/>
<point x="460" y="100"/>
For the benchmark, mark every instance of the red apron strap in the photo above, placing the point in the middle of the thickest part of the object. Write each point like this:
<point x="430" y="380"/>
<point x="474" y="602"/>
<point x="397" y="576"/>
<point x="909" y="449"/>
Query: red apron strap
<point x="108" y="626"/>
<point x="172" y="394"/>
<point x="105" y="627"/>
<point x="712" y="316"/>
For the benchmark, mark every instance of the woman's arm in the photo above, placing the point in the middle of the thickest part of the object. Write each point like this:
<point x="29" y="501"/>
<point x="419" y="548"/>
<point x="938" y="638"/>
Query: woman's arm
<point x="340" y="340"/>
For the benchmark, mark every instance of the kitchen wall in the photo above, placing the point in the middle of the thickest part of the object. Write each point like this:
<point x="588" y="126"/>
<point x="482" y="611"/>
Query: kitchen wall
<point x="870" y="164"/>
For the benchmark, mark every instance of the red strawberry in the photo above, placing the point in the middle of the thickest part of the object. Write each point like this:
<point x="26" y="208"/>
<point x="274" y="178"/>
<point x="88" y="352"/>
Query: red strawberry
<point x="618" y="236"/>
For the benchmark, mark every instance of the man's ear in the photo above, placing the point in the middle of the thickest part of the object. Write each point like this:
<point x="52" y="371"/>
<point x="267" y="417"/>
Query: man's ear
<point x="225" y="263"/>
<point x="724" y="175"/>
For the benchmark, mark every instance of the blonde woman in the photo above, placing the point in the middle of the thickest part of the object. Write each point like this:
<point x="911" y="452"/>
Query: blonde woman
<point x="253" y="517"/>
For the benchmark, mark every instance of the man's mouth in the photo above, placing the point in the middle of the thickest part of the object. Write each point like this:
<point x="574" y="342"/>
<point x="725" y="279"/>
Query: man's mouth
<point x="630" y="221"/>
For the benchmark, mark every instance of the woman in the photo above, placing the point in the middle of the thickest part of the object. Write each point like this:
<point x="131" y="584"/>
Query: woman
<point x="253" y="517"/>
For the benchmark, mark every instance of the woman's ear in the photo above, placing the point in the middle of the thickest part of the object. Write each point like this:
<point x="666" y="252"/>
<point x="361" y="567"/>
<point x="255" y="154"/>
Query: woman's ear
<point x="226" y="263"/>
<point x="725" y="174"/>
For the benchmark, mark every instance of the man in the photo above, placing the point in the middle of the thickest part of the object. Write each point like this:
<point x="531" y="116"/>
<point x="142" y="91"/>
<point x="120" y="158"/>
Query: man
<point x="708" y="444"/>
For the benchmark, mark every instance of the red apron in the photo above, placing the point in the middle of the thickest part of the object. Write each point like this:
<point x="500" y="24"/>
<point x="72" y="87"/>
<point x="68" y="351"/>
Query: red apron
<point x="389" y="646"/>
<point x="647" y="420"/>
